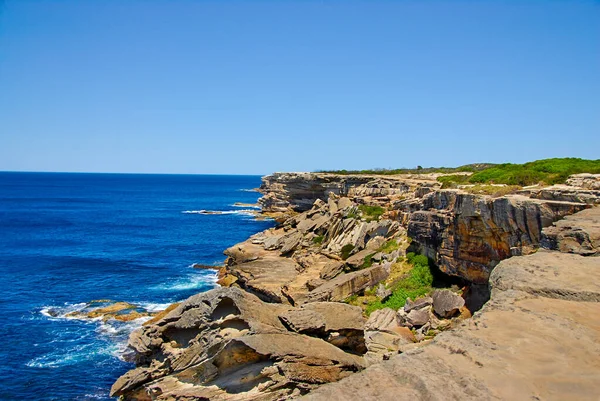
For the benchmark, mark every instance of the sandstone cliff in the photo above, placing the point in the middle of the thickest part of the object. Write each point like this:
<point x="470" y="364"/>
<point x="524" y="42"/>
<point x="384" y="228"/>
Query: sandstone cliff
<point x="538" y="338"/>
<point x="275" y="331"/>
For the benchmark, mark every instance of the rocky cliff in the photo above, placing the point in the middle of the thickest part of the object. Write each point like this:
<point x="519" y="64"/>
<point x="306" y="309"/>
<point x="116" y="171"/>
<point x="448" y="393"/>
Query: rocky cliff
<point x="276" y="329"/>
<point x="538" y="338"/>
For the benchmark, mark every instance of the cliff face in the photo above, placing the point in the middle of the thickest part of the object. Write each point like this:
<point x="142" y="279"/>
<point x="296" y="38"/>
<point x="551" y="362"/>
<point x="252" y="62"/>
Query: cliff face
<point x="468" y="235"/>
<point x="297" y="192"/>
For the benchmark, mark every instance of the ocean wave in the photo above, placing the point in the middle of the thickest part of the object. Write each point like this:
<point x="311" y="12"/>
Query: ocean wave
<point x="191" y="282"/>
<point x="248" y="190"/>
<point x="109" y="338"/>
<point x="62" y="312"/>
<point x="70" y="356"/>
<point x="245" y="212"/>
<point x="153" y="307"/>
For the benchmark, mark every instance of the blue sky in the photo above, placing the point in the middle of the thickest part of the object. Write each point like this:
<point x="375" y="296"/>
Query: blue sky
<point x="251" y="87"/>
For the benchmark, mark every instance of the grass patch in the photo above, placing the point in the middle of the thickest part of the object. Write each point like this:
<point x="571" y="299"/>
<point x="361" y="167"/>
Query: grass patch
<point x="546" y="171"/>
<point x="346" y="250"/>
<point x="418" y="170"/>
<point x="389" y="247"/>
<point x="493" y="190"/>
<point x="415" y="284"/>
<point x="367" y="261"/>
<point x="353" y="214"/>
<point x="371" y="213"/>
<point x="318" y="239"/>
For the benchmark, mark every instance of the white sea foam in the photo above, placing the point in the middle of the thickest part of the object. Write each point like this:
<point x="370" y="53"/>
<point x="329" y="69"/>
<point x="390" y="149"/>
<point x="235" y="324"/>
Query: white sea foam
<point x="71" y="356"/>
<point x="248" y="190"/>
<point x="153" y="307"/>
<point x="246" y="205"/>
<point x="246" y="212"/>
<point x="190" y="282"/>
<point x="61" y="312"/>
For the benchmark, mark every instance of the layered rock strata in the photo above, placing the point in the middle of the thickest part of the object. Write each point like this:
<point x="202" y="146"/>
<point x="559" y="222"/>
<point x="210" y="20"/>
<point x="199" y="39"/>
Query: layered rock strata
<point x="226" y="344"/>
<point x="538" y="338"/>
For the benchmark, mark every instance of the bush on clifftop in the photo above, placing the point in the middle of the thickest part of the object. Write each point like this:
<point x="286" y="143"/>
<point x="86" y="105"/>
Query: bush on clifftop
<point x="547" y="171"/>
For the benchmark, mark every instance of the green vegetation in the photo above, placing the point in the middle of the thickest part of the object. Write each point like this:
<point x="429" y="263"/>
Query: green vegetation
<point x="389" y="247"/>
<point x="353" y="214"/>
<point x="494" y="190"/>
<point x="346" y="250"/>
<point x="367" y="261"/>
<point x="371" y="213"/>
<point x="418" y="170"/>
<point x="547" y="171"/>
<point x="415" y="284"/>
<point x="318" y="239"/>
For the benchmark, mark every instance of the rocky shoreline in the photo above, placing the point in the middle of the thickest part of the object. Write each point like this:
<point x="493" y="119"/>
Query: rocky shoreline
<point x="317" y="306"/>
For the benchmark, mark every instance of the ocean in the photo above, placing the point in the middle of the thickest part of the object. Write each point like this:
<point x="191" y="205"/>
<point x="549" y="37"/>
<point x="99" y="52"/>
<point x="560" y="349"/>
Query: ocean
<point x="67" y="239"/>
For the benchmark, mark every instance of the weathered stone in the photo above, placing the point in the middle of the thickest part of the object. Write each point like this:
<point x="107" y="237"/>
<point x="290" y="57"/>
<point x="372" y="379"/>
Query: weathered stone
<point x="303" y="321"/>
<point x="578" y="233"/>
<point x="418" y="304"/>
<point x="467" y="235"/>
<point x="543" y="316"/>
<point x="418" y="317"/>
<point x="227" y="340"/>
<point x="349" y="284"/>
<point x="446" y="303"/>
<point x="290" y="242"/>
<point x="383" y="293"/>
<point x="587" y="181"/>
<point x="332" y="269"/>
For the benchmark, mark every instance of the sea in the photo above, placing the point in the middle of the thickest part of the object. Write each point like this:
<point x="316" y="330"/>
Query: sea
<point x="67" y="239"/>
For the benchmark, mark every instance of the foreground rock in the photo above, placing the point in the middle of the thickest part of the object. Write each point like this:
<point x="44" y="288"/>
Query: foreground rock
<point x="227" y="344"/>
<point x="538" y="338"/>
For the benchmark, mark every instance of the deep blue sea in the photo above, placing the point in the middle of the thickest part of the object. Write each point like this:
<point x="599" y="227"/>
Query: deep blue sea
<point x="67" y="239"/>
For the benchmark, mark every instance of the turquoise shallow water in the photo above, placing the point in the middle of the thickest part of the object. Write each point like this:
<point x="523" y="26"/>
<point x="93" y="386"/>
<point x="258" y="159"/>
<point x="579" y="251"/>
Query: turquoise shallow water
<point x="66" y="239"/>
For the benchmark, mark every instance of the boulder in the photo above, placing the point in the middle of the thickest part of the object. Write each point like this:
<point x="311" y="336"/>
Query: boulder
<point x="418" y="304"/>
<point x="418" y="317"/>
<point x="303" y="321"/>
<point x="332" y="269"/>
<point x="384" y="335"/>
<point x="345" y="285"/>
<point x="446" y="303"/>
<point x="383" y="293"/>
<point x="290" y="242"/>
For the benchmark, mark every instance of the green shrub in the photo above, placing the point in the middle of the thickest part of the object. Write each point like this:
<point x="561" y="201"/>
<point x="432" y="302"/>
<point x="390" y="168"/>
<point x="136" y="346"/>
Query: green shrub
<point x="389" y="247"/>
<point x="367" y="261"/>
<point x="417" y="283"/>
<point x="371" y="213"/>
<point x="352" y="214"/>
<point x="346" y="250"/>
<point x="546" y="171"/>
<point x="318" y="239"/>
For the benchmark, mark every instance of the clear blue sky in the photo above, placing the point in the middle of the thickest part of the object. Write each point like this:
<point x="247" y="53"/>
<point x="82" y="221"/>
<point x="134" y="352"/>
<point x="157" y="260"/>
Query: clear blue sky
<point x="255" y="87"/>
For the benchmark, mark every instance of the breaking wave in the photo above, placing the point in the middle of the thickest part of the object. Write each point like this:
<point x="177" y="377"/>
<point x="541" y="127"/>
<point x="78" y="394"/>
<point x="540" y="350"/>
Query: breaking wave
<point x="244" y="212"/>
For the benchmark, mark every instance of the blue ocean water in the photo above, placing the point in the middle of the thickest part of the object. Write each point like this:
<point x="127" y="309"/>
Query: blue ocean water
<point x="67" y="239"/>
